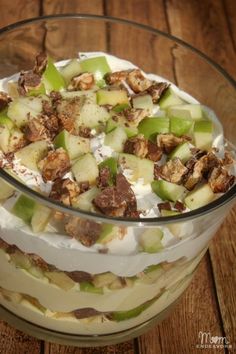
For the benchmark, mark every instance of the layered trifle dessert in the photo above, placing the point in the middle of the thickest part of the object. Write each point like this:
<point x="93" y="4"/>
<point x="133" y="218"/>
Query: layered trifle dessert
<point x="123" y="148"/>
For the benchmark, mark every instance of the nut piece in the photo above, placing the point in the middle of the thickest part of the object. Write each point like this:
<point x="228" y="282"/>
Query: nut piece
<point x="86" y="231"/>
<point x="83" y="81"/>
<point x="164" y="206"/>
<point x="137" y="81"/>
<point x="35" y="130"/>
<point x="55" y="165"/>
<point x="220" y="181"/>
<point x="104" y="177"/>
<point x="40" y="63"/>
<point x="157" y="90"/>
<point x="173" y="171"/>
<point x="86" y="312"/>
<point x="137" y="146"/>
<point x="85" y="132"/>
<point x="65" y="191"/>
<point x="4" y="100"/>
<point x="116" y="78"/>
<point x="167" y="142"/>
<point x="198" y="168"/>
<point x="28" y="80"/>
<point x="135" y="115"/>
<point x="79" y="276"/>
<point x="154" y="152"/>
<point x="117" y="201"/>
<point x="68" y="110"/>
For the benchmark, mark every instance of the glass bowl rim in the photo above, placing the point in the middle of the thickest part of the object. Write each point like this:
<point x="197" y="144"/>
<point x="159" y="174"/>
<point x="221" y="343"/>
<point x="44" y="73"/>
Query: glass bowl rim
<point x="219" y="202"/>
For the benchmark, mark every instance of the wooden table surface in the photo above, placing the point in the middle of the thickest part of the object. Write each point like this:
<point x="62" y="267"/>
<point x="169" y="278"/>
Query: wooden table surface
<point x="209" y="305"/>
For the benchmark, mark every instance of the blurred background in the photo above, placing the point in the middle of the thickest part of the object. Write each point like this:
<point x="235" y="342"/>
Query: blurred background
<point x="209" y="304"/>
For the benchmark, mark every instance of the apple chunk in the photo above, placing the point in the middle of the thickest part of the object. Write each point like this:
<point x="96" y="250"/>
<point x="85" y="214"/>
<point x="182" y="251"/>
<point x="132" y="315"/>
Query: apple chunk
<point x="199" y="197"/>
<point x="140" y="168"/>
<point x="150" y="240"/>
<point x="181" y="151"/>
<point x="180" y="126"/>
<point x="167" y="190"/>
<point x="116" y="139"/>
<point x="112" y="97"/>
<point x="170" y="98"/>
<point x="24" y="208"/>
<point x="71" y="69"/>
<point x="31" y="154"/>
<point x="98" y="66"/>
<point x="203" y="134"/>
<point x="189" y="111"/>
<point x="52" y="78"/>
<point x="85" y="169"/>
<point x="73" y="144"/>
<point x="143" y="102"/>
<point x="40" y="218"/>
<point x="152" y="126"/>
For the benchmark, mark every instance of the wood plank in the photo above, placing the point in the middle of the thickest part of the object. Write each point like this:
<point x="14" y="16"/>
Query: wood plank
<point x="123" y="348"/>
<point x="77" y="36"/>
<point x="196" y="312"/>
<point x="223" y="255"/>
<point x="211" y="33"/>
<point x="137" y="44"/>
<point x="21" y="10"/>
<point x="230" y="14"/>
<point x="16" y="342"/>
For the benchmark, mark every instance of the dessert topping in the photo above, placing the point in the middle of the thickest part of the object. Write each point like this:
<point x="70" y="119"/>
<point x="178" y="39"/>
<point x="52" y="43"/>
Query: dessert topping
<point x="79" y="276"/>
<point x="117" y="77"/>
<point x="167" y="142"/>
<point x="157" y="89"/>
<point x="55" y="165"/>
<point x="135" y="115"/>
<point x="172" y="171"/>
<point x="35" y="130"/>
<point x="86" y="312"/>
<point x="137" y="145"/>
<point x="137" y="81"/>
<point x="154" y="152"/>
<point x="40" y="63"/>
<point x="4" y="100"/>
<point x="86" y="231"/>
<point x="28" y="80"/>
<point x="65" y="191"/>
<point x="83" y="81"/>
<point x="220" y="181"/>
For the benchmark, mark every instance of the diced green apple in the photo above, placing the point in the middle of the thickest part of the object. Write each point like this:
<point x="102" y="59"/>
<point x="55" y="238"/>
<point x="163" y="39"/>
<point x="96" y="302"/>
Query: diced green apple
<point x="91" y="114"/>
<point x="203" y="134"/>
<point x="61" y="280"/>
<point x="40" y="218"/>
<point x="112" y="97"/>
<point x="152" y="126"/>
<point x="6" y="121"/>
<point x="108" y="233"/>
<point x="98" y="66"/>
<point x="24" y="208"/>
<point x="110" y="163"/>
<point x="20" y="260"/>
<point x="169" y="212"/>
<point x="103" y="279"/>
<point x="180" y="126"/>
<point x="167" y="190"/>
<point x="16" y="137"/>
<point x="90" y="288"/>
<point x="143" y="102"/>
<point x="188" y="111"/>
<point x="89" y="94"/>
<point x="175" y="228"/>
<point x="140" y="168"/>
<point x="6" y="190"/>
<point x="199" y="197"/>
<point x="4" y="138"/>
<point x="126" y="315"/>
<point x="84" y="200"/>
<point x="116" y="139"/>
<point x="85" y="169"/>
<point x="150" y="240"/>
<point x="70" y="70"/>
<point x="36" y="272"/>
<point x="150" y="274"/>
<point x="120" y="107"/>
<point x="181" y="151"/>
<point x="31" y="154"/>
<point x="37" y="91"/>
<point x="24" y="108"/>
<point x="52" y="78"/>
<point x="73" y="144"/>
<point x="170" y="98"/>
<point x="120" y="122"/>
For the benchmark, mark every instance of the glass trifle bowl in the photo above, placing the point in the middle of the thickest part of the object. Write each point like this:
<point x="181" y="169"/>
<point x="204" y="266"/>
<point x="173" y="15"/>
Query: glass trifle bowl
<point x="74" y="273"/>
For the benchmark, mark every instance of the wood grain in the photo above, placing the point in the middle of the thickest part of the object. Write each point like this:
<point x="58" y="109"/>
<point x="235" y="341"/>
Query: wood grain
<point x="16" y="342"/>
<point x="223" y="255"/>
<point x="77" y="36"/>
